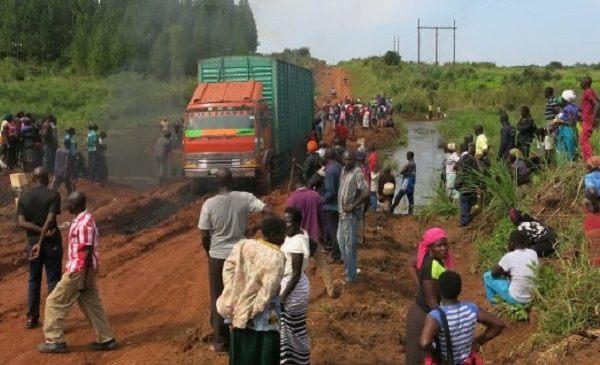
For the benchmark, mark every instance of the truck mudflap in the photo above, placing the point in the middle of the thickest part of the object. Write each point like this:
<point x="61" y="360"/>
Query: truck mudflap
<point x="237" y="172"/>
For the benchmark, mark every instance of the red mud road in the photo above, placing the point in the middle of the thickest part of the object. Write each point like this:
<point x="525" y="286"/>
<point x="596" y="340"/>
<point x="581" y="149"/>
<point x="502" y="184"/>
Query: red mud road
<point x="154" y="287"/>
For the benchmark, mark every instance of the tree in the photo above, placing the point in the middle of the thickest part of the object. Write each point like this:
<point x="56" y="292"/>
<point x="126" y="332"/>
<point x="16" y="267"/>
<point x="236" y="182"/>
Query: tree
<point x="392" y="58"/>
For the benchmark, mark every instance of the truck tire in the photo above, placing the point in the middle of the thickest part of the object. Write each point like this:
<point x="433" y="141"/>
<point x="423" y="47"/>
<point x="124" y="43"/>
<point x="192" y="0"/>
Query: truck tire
<point x="198" y="187"/>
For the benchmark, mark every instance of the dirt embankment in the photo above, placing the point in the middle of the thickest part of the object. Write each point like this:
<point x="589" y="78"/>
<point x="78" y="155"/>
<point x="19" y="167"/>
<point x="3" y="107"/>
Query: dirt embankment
<point x="154" y="287"/>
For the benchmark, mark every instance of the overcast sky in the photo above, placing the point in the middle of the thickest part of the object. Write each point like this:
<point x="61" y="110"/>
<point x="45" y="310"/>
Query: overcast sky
<point x="508" y="32"/>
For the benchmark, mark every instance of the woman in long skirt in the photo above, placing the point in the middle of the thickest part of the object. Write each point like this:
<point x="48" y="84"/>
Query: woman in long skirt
<point x="295" y="290"/>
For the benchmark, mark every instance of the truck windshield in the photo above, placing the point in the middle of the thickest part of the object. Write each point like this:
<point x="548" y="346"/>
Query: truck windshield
<point x="220" y="120"/>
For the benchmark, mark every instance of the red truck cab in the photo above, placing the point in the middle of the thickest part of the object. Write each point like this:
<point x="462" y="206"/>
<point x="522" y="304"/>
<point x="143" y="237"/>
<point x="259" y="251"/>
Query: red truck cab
<point x="228" y="125"/>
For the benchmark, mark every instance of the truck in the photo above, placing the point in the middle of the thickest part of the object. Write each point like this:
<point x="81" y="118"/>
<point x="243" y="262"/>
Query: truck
<point x="250" y="114"/>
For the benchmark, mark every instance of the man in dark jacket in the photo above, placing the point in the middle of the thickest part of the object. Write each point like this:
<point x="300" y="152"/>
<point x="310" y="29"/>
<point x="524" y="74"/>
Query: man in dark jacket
<point x="333" y="171"/>
<point x="508" y="135"/>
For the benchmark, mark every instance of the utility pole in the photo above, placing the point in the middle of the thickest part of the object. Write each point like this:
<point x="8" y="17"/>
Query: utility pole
<point x="437" y="28"/>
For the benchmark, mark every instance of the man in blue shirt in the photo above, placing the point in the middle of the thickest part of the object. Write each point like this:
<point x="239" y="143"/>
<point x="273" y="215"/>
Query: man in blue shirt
<point x="333" y="171"/>
<point x="92" y="149"/>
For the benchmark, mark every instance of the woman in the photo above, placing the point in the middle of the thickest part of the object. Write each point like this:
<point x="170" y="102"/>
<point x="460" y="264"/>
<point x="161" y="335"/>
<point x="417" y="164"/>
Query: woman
<point x="541" y="237"/>
<point x="295" y="289"/>
<point x="431" y="261"/>
<point x="526" y="128"/>
<point x="512" y="278"/>
<point x="520" y="170"/>
<point x="566" y="121"/>
<point x="460" y="319"/>
<point x="450" y="165"/>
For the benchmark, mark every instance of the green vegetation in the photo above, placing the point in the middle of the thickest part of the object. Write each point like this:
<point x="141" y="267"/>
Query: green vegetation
<point x="465" y="86"/>
<point x="162" y="37"/>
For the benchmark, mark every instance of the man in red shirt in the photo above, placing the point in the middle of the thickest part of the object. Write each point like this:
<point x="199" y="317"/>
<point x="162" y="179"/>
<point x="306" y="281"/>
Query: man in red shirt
<point x="589" y="111"/>
<point x="372" y="161"/>
<point x="78" y="283"/>
<point x="341" y="131"/>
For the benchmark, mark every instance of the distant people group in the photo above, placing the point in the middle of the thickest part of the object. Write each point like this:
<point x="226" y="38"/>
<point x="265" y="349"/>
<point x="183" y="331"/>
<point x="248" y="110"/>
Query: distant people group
<point x="26" y="144"/>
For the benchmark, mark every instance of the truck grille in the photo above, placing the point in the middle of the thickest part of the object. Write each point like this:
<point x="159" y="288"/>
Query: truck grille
<point x="218" y="163"/>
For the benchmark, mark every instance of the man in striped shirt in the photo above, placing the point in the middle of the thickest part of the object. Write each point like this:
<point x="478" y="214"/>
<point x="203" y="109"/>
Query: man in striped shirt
<point x="78" y="283"/>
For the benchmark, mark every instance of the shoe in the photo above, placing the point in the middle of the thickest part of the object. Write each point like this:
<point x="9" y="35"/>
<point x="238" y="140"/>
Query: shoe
<point x="31" y="323"/>
<point x="53" y="348"/>
<point x="104" y="346"/>
<point x="222" y="349"/>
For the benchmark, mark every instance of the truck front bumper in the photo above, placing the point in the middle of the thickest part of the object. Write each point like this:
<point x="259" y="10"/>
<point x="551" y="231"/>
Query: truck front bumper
<point x="236" y="172"/>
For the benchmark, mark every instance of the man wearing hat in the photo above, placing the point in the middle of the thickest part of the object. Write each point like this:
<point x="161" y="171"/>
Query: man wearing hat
<point x="311" y="162"/>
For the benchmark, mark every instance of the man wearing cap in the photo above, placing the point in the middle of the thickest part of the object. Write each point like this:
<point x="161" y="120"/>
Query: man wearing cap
<point x="311" y="162"/>
<point x="590" y="109"/>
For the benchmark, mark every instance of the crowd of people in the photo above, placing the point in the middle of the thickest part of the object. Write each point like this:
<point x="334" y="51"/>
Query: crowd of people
<point x="526" y="147"/>
<point x="25" y="144"/>
<point x="259" y="289"/>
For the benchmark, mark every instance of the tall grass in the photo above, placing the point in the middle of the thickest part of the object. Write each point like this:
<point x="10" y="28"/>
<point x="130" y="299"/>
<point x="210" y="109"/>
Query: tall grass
<point x="439" y="205"/>
<point x="491" y="249"/>
<point x="567" y="298"/>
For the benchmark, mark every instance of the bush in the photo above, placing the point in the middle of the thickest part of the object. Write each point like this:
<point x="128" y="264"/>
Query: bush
<point x="491" y="250"/>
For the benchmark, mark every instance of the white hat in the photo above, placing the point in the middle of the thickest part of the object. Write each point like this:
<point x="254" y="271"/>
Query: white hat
<point x="569" y="95"/>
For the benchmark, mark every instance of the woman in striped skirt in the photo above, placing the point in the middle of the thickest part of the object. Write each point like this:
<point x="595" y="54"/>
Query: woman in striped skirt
<point x="295" y="289"/>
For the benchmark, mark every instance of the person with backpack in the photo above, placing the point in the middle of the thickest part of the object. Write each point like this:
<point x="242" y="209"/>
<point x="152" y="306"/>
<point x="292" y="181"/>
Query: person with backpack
<point x="452" y="326"/>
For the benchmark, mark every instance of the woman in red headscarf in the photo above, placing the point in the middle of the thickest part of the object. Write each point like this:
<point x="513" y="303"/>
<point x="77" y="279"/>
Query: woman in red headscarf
<point x="431" y="261"/>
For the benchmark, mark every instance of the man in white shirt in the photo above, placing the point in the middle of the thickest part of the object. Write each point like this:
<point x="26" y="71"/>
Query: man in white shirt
<point x="222" y="224"/>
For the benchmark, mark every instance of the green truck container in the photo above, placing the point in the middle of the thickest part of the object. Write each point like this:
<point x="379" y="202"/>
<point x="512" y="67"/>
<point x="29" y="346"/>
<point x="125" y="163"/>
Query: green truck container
<point x="287" y="88"/>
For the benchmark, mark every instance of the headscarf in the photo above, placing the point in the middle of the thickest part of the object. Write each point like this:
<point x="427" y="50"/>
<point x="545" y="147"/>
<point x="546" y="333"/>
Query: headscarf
<point x="515" y="215"/>
<point x="8" y="117"/>
<point x="451" y="147"/>
<point x="429" y="238"/>
<point x="569" y="95"/>
<point x="593" y="163"/>
<point x="312" y="146"/>
<point x="515" y="152"/>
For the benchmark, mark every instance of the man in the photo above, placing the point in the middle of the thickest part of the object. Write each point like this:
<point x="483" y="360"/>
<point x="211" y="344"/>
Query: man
<point x="37" y="210"/>
<point x="308" y="202"/>
<point x="466" y="169"/>
<point x="508" y="135"/>
<point x="352" y="195"/>
<point x="78" y="283"/>
<point x="551" y="104"/>
<point x="251" y="278"/>
<point x="63" y="168"/>
<point x="407" y="187"/>
<point x="311" y="162"/>
<point x="162" y="153"/>
<point x="333" y="171"/>
<point x="590" y="107"/>
<point x="92" y="149"/>
<point x="49" y="145"/>
<point x="222" y="224"/>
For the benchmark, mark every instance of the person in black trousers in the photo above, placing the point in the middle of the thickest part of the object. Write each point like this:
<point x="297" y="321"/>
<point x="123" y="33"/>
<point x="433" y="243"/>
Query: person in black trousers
<point x="37" y="210"/>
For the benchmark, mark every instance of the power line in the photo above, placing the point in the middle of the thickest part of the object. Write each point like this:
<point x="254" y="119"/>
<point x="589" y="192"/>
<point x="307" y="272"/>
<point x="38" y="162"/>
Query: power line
<point x="437" y="29"/>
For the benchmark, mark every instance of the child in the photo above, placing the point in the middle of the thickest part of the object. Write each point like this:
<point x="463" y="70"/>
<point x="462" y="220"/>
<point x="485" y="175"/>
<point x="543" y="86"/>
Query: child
<point x="592" y="185"/>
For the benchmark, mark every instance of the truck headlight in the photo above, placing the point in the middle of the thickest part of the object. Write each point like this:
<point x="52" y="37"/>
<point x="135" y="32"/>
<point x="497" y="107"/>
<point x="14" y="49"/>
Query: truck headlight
<point x="249" y="161"/>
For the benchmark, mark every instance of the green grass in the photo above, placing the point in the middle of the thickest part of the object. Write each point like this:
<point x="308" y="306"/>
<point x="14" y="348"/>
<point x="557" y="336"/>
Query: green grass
<point x="438" y="205"/>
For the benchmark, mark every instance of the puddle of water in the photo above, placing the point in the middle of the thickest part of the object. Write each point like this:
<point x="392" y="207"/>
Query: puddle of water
<point x="423" y="139"/>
